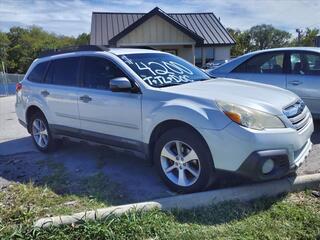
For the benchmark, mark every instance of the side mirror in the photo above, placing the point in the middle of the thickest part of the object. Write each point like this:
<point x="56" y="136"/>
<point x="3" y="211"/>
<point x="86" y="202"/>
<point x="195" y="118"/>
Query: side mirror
<point x="120" y="84"/>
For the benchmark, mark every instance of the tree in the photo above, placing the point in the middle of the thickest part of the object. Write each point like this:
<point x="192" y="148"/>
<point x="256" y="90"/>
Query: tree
<point x="18" y="51"/>
<point x="308" y="38"/>
<point x="23" y="45"/>
<point x="83" y="39"/>
<point x="266" y="36"/>
<point x="242" y="39"/>
<point x="4" y="44"/>
<point x="257" y="38"/>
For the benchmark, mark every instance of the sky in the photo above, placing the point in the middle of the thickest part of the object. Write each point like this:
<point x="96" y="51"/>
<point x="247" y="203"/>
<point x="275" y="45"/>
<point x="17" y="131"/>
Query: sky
<point x="72" y="17"/>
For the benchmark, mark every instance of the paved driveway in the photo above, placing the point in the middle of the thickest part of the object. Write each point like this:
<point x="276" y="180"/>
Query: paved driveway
<point x="75" y="165"/>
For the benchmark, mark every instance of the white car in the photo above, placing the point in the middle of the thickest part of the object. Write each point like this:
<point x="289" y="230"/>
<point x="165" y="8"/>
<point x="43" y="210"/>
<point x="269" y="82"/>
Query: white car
<point x="191" y="126"/>
<point x="296" y="69"/>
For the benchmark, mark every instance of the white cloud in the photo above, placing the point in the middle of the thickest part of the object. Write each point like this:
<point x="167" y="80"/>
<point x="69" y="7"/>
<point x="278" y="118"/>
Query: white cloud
<point x="72" y="17"/>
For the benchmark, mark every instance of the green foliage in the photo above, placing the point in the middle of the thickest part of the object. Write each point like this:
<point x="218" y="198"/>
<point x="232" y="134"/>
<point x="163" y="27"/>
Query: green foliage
<point x="4" y="44"/>
<point x="83" y="39"/>
<point x="242" y="39"/>
<point x="257" y="38"/>
<point x="308" y="38"/>
<point x="266" y="36"/>
<point x="20" y="46"/>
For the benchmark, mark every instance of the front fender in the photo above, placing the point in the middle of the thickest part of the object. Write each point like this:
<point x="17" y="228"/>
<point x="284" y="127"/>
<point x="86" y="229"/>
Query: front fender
<point x="195" y="114"/>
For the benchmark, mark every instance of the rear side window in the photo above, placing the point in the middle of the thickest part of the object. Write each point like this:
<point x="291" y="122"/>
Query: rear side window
<point x="263" y="63"/>
<point x="305" y="63"/>
<point x="37" y="73"/>
<point x="98" y="72"/>
<point x="63" y="71"/>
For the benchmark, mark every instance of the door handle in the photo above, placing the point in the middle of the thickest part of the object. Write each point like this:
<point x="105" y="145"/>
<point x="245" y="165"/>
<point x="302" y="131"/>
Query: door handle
<point x="85" y="98"/>
<point x="295" y="82"/>
<point x="45" y="93"/>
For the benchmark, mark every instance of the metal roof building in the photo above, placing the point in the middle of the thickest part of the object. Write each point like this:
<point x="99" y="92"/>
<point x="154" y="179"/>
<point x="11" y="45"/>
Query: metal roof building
<point x="196" y="37"/>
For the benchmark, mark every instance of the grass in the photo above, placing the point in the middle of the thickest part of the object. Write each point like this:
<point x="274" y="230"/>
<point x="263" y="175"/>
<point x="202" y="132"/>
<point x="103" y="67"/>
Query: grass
<point x="295" y="216"/>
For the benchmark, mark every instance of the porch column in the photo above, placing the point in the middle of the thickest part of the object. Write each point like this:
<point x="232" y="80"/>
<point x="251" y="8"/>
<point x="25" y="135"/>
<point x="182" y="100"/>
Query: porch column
<point x="193" y="54"/>
<point x="203" y="56"/>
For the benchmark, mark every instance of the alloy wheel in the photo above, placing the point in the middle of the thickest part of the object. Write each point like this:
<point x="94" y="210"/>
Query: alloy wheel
<point x="40" y="133"/>
<point x="180" y="163"/>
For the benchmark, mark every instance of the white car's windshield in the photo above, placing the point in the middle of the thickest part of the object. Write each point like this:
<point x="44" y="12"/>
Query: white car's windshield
<point x="162" y="70"/>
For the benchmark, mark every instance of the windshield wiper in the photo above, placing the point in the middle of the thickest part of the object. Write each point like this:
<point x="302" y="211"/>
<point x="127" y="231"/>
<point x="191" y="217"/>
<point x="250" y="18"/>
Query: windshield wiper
<point x="206" y="79"/>
<point x="169" y="84"/>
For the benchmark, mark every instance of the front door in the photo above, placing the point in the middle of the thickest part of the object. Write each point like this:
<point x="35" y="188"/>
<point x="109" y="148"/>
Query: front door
<point x="265" y="68"/>
<point x="112" y="118"/>
<point x="304" y="78"/>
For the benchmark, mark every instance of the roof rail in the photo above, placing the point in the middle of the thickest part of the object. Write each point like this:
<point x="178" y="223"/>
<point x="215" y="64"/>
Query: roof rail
<point x="70" y="49"/>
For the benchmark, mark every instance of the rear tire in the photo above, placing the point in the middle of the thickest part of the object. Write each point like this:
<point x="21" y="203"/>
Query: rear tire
<point x="189" y="169"/>
<point x="41" y="134"/>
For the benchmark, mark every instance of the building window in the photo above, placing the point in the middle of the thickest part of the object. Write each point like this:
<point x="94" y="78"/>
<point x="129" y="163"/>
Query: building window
<point x="208" y="53"/>
<point x="198" y="57"/>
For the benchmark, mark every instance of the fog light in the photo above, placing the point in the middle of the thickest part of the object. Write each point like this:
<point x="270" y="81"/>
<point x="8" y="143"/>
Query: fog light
<point x="268" y="166"/>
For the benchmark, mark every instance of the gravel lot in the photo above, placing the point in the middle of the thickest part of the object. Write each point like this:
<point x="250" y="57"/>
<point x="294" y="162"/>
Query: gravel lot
<point x="125" y="176"/>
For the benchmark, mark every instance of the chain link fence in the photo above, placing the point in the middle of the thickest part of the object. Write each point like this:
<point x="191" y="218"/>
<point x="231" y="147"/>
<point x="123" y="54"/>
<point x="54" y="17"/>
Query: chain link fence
<point x="8" y="83"/>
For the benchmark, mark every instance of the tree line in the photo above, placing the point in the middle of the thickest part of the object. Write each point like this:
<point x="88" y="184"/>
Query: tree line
<point x="266" y="36"/>
<point x="20" y="46"/>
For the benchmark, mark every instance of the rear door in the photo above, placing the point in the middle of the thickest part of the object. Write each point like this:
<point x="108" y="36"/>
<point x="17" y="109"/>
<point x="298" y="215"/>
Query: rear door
<point x="60" y="91"/>
<point x="113" y="118"/>
<point x="265" y="68"/>
<point x="304" y="78"/>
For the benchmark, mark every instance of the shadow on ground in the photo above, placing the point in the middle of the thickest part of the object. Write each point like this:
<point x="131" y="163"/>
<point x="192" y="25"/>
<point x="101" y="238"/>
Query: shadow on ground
<point x="108" y="175"/>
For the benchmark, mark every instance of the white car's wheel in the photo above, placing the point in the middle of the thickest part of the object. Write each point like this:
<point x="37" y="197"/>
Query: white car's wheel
<point x="40" y="132"/>
<point x="183" y="160"/>
<point x="180" y="163"/>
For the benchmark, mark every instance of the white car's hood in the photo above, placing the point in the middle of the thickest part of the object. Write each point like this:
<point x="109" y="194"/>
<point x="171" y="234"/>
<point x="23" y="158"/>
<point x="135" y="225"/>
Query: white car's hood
<point x="262" y="97"/>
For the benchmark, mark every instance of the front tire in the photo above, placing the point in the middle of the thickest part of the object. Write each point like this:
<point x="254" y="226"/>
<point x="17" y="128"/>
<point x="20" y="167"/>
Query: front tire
<point x="40" y="132"/>
<point x="183" y="160"/>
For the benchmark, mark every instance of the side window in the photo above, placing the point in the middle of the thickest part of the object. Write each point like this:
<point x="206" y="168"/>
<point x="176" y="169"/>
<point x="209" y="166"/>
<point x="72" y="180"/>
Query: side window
<point x="305" y="63"/>
<point x="63" y="71"/>
<point x="37" y="74"/>
<point x="296" y="63"/>
<point x="49" y="75"/>
<point x="263" y="63"/>
<point x="98" y="72"/>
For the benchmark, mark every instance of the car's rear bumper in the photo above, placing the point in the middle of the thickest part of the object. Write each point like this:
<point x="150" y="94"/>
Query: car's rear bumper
<point x="243" y="151"/>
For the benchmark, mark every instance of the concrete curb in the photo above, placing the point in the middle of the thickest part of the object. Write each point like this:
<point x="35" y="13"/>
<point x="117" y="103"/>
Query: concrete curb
<point x="101" y="213"/>
<point x="188" y="201"/>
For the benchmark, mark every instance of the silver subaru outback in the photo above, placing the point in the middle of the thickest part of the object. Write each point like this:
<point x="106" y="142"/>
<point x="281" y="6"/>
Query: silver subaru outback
<point x="189" y="125"/>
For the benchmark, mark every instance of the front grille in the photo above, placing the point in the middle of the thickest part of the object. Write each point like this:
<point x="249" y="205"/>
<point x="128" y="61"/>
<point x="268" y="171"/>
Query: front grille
<point x="298" y="114"/>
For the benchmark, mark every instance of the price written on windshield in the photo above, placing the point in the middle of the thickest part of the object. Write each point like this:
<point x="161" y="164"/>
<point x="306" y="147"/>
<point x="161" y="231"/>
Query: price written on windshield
<point x="162" y="73"/>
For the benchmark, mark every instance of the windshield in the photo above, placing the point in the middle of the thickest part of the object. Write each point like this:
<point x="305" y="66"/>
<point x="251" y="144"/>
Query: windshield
<point x="162" y="70"/>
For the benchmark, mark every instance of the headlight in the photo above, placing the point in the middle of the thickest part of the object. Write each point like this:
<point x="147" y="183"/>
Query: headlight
<point x="249" y="117"/>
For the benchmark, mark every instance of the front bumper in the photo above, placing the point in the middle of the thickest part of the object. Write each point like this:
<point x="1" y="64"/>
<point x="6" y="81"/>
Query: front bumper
<point x="252" y="166"/>
<point x="241" y="150"/>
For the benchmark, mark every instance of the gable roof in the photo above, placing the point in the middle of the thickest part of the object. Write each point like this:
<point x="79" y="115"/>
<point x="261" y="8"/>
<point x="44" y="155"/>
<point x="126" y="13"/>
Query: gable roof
<point x="160" y="13"/>
<point x="108" y="27"/>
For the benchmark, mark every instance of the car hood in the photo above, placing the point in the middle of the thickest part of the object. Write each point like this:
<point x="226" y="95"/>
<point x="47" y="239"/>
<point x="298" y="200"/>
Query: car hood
<point x="258" y="96"/>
